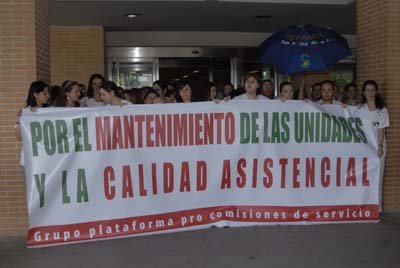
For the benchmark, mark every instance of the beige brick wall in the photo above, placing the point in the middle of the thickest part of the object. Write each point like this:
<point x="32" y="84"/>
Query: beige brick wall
<point x="378" y="58"/>
<point x="76" y="53"/>
<point x="20" y="64"/>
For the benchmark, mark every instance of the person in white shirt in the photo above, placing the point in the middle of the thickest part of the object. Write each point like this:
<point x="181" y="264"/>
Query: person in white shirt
<point x="373" y="103"/>
<point x="251" y="85"/>
<point x="110" y="95"/>
<point x="327" y="93"/>
<point x="38" y="97"/>
<point x="379" y="115"/>
<point x="93" y="97"/>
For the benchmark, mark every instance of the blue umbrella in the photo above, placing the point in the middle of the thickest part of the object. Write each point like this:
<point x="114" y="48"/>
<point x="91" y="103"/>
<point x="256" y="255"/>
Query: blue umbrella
<point x="304" y="48"/>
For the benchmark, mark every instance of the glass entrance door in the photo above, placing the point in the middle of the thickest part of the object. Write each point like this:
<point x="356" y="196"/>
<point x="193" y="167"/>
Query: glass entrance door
<point x="133" y="73"/>
<point x="173" y="70"/>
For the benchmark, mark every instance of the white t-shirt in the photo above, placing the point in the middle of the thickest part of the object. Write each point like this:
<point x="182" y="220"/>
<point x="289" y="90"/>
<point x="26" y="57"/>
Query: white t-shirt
<point x="90" y="102"/>
<point x="245" y="97"/>
<point x="125" y="102"/>
<point x="333" y="102"/>
<point x="379" y="118"/>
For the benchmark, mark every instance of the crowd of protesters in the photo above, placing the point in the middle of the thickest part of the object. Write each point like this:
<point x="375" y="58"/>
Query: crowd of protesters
<point x="100" y="92"/>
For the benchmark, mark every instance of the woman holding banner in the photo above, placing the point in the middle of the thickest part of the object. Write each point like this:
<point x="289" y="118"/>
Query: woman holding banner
<point x="38" y="96"/>
<point x="373" y="103"/>
<point x="379" y="115"/>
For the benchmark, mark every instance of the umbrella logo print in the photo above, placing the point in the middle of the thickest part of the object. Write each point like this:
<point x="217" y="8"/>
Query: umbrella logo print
<point x="305" y="61"/>
<point x="303" y="48"/>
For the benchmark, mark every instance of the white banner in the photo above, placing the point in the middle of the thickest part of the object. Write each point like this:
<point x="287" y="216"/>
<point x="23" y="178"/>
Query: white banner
<point x="99" y="173"/>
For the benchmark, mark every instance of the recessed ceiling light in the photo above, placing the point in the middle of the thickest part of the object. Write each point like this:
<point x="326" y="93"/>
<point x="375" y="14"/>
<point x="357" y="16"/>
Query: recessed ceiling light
<point x="131" y="15"/>
<point x="185" y="76"/>
<point x="263" y="17"/>
<point x="196" y="71"/>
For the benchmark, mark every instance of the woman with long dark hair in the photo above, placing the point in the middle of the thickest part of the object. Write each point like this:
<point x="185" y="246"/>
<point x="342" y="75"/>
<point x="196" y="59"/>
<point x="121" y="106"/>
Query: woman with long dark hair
<point x="185" y="92"/>
<point x="379" y="115"/>
<point x="374" y="105"/>
<point x="38" y="95"/>
<point x="93" y="97"/>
